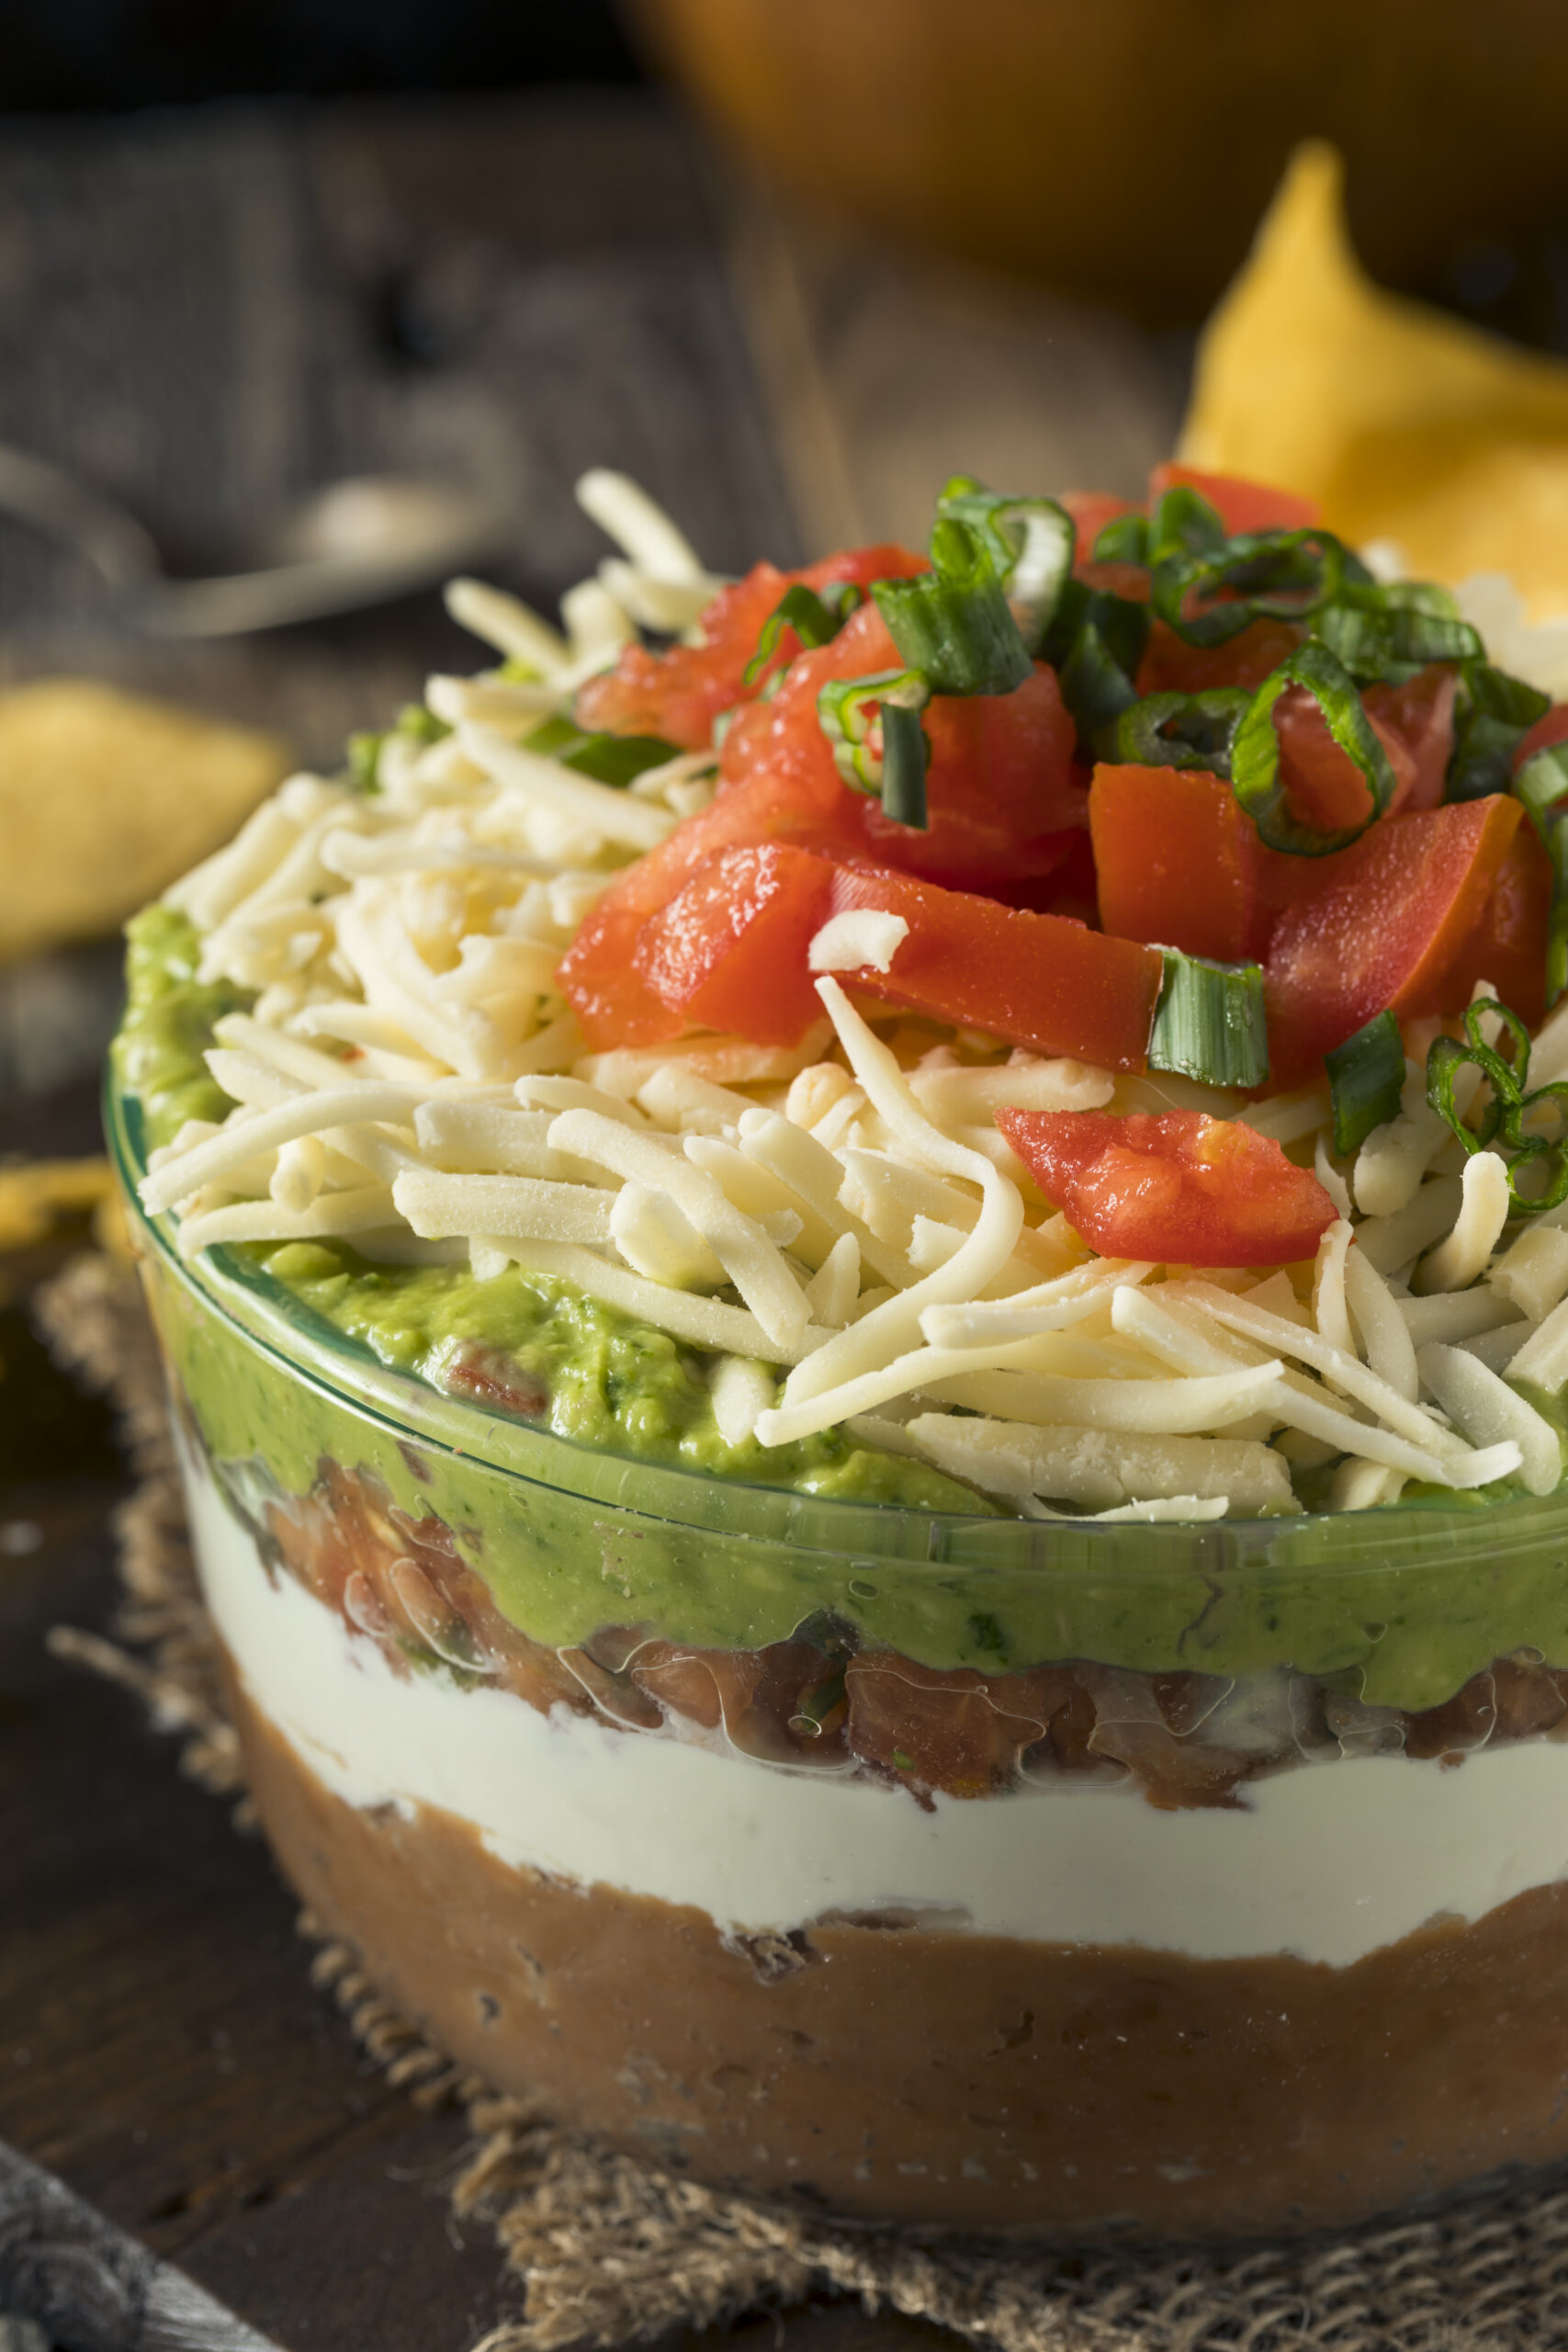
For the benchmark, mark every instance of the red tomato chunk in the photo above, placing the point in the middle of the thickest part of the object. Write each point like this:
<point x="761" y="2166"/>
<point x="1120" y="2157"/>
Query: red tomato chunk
<point x="678" y="695"/>
<point x="1172" y="859"/>
<point x="1040" y="981"/>
<point x="1241" y="505"/>
<point x="730" y="949"/>
<point x="1005" y="799"/>
<point x="1181" y="1189"/>
<point x="1382" y="923"/>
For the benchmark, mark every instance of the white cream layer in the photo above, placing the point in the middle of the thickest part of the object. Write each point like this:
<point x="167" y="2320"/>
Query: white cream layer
<point x="1326" y="1861"/>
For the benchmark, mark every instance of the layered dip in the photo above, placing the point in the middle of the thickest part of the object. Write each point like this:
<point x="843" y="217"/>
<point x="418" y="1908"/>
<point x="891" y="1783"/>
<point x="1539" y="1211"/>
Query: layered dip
<point x="866" y="1278"/>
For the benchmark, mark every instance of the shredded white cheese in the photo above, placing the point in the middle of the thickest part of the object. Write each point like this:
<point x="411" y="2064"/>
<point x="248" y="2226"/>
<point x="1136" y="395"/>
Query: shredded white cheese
<point x="861" y="936"/>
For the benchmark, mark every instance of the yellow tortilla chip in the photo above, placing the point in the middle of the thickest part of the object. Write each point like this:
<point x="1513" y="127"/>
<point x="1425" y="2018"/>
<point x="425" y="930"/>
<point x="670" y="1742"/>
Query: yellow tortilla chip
<point x="35" y="1193"/>
<point x="1408" y="425"/>
<point x="106" y="797"/>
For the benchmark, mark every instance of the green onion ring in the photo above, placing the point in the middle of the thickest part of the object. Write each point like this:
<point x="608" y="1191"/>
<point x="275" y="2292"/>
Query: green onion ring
<point x="953" y="623"/>
<point x="813" y="619"/>
<point x="1255" y="753"/>
<point x="849" y="709"/>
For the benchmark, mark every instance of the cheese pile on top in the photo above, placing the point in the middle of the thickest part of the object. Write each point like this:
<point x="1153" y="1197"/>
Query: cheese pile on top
<point x="837" y="1225"/>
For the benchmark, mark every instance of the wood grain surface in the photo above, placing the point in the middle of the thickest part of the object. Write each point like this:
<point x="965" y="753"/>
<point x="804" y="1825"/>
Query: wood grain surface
<point x="207" y="313"/>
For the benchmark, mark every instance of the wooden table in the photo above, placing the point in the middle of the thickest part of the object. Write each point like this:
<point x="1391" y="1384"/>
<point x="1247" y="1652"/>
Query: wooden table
<point x="206" y="313"/>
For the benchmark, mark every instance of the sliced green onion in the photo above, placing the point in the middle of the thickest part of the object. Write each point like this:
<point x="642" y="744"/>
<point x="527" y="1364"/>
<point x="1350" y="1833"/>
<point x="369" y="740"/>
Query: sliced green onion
<point x="1126" y="540"/>
<point x="552" y="735"/>
<point x="1095" y="686"/>
<point x="1030" y="542"/>
<point x="1554" y="834"/>
<point x="905" y="757"/>
<point x="1366" y="1079"/>
<point x="1493" y="711"/>
<point x="852" y="711"/>
<point x="1178" y="730"/>
<point x="1121" y="624"/>
<point x="1408" y="596"/>
<point x="1549" y="1153"/>
<point x="1542" y="783"/>
<point x="1446" y="1057"/>
<point x="953" y="623"/>
<point x="1095" y="645"/>
<point x="1502" y="1125"/>
<point x="1274" y="575"/>
<point x="1376" y="636"/>
<point x="609" y="759"/>
<point x="1208" y="1024"/>
<point x="814" y="619"/>
<point x="1255" y="753"/>
<point x="1184" y="523"/>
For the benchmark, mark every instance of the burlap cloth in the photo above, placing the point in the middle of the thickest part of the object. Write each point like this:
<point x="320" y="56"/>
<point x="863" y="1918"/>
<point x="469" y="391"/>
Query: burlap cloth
<point x="612" y="2250"/>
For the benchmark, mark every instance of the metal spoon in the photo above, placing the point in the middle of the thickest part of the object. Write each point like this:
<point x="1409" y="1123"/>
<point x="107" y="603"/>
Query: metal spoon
<point x="360" y="541"/>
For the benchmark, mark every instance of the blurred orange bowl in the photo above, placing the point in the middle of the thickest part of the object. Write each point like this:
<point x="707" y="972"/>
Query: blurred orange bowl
<point x="1124" y="149"/>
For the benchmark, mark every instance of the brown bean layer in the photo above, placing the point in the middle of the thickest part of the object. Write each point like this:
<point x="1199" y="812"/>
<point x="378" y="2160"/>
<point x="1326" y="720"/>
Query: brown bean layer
<point x="897" y="2073"/>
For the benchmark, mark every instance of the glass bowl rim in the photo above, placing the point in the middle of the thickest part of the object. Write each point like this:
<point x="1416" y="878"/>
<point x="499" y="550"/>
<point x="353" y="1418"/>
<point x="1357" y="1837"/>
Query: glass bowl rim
<point x="277" y="1325"/>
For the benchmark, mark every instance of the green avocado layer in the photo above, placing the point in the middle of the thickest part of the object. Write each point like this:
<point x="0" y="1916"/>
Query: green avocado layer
<point x="605" y="1380"/>
<point x="167" y="1025"/>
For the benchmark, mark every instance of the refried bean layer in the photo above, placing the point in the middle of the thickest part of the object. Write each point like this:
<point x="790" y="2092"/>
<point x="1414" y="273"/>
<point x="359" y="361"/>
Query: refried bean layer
<point x="893" y="2072"/>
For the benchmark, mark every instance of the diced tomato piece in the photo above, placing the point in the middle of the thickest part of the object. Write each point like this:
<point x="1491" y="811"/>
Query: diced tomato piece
<point x="1323" y="785"/>
<point x="729" y="951"/>
<point x="1036" y="980"/>
<point x="1506" y="950"/>
<point x="598" y="976"/>
<point x="1169" y="853"/>
<point x="1179" y="863"/>
<point x="1182" y="1189"/>
<point x="1003" y="794"/>
<point x="614" y="1003"/>
<point x="1381" y="924"/>
<point x="1006" y="805"/>
<point x="678" y="695"/>
<point x="1243" y="506"/>
<point x="1170" y="664"/>
<point x="1419" y="716"/>
<point x="1006" y="798"/>
<point x="1070" y="890"/>
<point x="1551" y="728"/>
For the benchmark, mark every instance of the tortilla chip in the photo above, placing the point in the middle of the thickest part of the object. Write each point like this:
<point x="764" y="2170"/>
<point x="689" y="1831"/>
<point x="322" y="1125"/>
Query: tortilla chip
<point x="35" y="1194"/>
<point x="1406" y="424"/>
<point x="106" y="797"/>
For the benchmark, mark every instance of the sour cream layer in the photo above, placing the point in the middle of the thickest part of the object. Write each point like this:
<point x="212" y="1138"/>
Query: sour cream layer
<point x="1325" y="1861"/>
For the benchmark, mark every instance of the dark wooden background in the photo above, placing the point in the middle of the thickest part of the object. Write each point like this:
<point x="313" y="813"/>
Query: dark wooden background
<point x="207" y="313"/>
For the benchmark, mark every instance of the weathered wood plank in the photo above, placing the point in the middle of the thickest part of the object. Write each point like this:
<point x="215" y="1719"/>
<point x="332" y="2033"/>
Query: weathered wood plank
<point x="209" y="313"/>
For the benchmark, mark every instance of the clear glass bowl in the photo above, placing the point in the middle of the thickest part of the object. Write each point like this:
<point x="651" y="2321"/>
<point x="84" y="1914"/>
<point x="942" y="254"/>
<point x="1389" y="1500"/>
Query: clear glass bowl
<point x="1046" y="1878"/>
